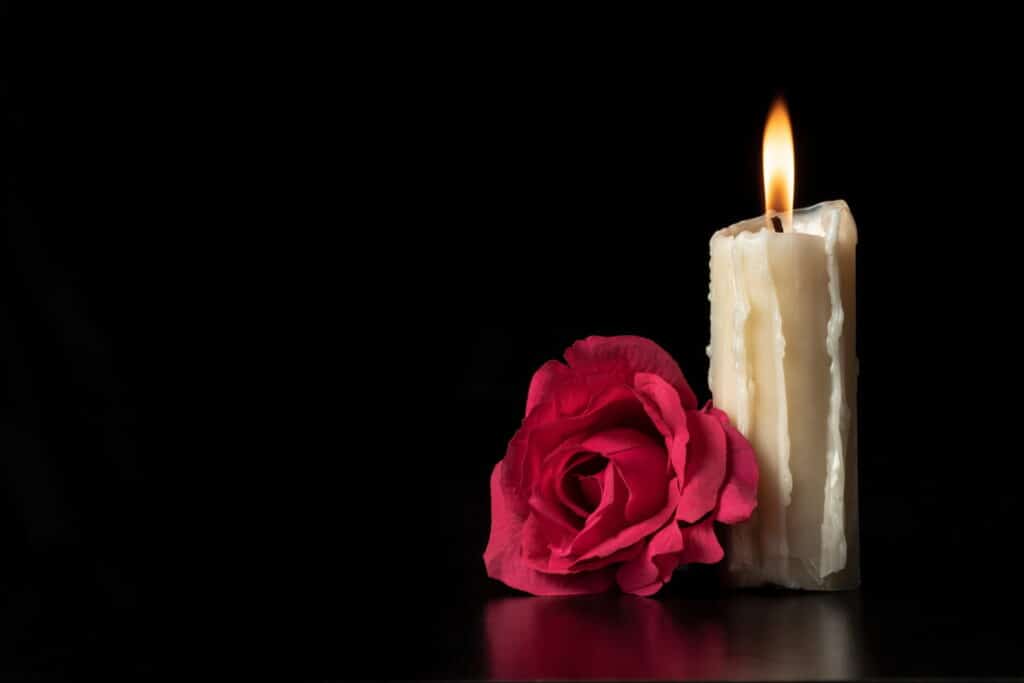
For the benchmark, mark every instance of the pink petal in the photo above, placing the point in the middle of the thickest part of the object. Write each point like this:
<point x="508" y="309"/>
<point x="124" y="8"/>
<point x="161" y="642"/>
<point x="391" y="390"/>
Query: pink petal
<point x="544" y="382"/>
<point x="504" y="561"/>
<point x="616" y="405"/>
<point x="625" y="356"/>
<point x="573" y="398"/>
<point x="521" y="464"/>
<point x="556" y="481"/>
<point x="641" y="461"/>
<point x="578" y="492"/>
<point x="545" y="429"/>
<point x="700" y="544"/>
<point x="705" y="466"/>
<point x="647" y="590"/>
<point x="606" y="519"/>
<point x="560" y="563"/>
<point x="606" y="532"/>
<point x="604" y="527"/>
<point x="569" y="391"/>
<point x="629" y="535"/>
<point x="739" y="494"/>
<point x="598" y="562"/>
<point x="642" y="575"/>
<point x="592" y="488"/>
<point x="661" y="403"/>
<point x="546" y="525"/>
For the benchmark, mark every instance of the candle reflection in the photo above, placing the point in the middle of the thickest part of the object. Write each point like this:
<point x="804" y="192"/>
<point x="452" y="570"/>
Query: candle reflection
<point x="737" y="637"/>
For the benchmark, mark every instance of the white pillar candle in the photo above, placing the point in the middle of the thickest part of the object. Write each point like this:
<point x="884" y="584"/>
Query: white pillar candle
<point x="784" y="367"/>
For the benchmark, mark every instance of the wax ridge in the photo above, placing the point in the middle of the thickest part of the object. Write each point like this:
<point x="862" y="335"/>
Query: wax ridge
<point x="833" y="535"/>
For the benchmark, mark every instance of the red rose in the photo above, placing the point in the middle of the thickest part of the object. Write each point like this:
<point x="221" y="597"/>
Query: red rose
<point x="615" y="476"/>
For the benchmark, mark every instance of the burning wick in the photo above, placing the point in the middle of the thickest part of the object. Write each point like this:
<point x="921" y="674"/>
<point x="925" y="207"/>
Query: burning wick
<point x="778" y="166"/>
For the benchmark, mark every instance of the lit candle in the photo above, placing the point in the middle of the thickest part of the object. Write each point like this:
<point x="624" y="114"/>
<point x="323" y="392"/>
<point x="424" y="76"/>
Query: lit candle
<point x="784" y="367"/>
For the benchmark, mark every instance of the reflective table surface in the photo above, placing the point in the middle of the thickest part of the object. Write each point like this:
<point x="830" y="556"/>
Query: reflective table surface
<point x="760" y="635"/>
<point x="481" y="630"/>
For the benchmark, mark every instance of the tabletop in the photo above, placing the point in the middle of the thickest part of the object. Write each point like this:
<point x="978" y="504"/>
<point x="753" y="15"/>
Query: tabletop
<point x="481" y="630"/>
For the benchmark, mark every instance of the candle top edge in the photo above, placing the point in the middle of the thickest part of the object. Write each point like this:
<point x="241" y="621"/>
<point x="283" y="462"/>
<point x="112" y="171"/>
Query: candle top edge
<point x="807" y="221"/>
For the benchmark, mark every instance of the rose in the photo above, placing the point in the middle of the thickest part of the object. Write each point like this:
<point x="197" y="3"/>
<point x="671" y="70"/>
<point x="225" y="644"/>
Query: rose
<point x="614" y="476"/>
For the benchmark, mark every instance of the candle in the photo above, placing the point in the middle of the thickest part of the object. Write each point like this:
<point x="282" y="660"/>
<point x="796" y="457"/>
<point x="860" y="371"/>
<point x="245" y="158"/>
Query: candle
<point x="784" y="367"/>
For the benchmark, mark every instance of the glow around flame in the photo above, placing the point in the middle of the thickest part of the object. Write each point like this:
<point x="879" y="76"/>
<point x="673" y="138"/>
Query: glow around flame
<point x="777" y="160"/>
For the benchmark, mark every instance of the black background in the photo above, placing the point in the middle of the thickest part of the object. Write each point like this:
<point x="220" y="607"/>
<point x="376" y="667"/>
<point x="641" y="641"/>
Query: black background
<point x="272" y="302"/>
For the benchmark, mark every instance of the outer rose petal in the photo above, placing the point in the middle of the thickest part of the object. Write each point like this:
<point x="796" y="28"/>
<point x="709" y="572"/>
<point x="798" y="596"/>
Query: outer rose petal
<point x="504" y="561"/>
<point x="700" y="544"/>
<point x="705" y="466"/>
<point x="661" y="403"/>
<point x="643" y="575"/>
<point x="625" y="356"/>
<point x="543" y="383"/>
<point x="739" y="494"/>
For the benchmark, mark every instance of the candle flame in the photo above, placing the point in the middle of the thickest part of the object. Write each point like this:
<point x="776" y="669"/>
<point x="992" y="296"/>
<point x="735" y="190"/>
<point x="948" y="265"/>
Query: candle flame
<point x="777" y="162"/>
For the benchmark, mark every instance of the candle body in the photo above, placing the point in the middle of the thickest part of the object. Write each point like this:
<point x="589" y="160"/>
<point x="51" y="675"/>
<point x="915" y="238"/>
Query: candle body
<point x="784" y="367"/>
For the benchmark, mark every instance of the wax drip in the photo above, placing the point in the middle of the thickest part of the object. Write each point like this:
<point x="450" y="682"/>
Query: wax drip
<point x="833" y="536"/>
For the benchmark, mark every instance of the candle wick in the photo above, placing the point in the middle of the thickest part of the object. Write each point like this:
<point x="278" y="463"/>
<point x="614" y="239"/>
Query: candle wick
<point x="777" y="223"/>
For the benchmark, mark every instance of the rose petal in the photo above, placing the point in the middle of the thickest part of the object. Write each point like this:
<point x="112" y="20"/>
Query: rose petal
<point x="643" y="575"/>
<point x="567" y="388"/>
<point x="629" y="535"/>
<point x="504" y="561"/>
<point x="624" y="356"/>
<point x="592" y="488"/>
<point x="518" y="467"/>
<point x="545" y="526"/>
<point x="564" y="563"/>
<point x="606" y="519"/>
<point x="618" y="557"/>
<point x="705" y="466"/>
<point x="641" y="461"/>
<point x="555" y="480"/>
<point x="738" y="497"/>
<point x="579" y="492"/>
<point x="545" y="429"/>
<point x="648" y="590"/>
<point x="616" y="405"/>
<point x="700" y="544"/>
<point x="549" y="376"/>
<point x="661" y="403"/>
<point x="573" y="398"/>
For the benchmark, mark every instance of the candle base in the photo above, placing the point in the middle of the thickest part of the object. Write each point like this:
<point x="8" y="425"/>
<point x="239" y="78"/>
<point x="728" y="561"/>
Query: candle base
<point x="793" y="574"/>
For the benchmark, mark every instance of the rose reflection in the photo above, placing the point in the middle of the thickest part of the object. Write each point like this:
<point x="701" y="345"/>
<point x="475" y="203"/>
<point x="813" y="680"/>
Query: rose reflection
<point x="600" y="637"/>
<point x="739" y="636"/>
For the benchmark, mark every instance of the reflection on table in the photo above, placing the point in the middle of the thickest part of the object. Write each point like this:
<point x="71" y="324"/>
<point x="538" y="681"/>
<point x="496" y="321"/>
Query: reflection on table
<point x="744" y="636"/>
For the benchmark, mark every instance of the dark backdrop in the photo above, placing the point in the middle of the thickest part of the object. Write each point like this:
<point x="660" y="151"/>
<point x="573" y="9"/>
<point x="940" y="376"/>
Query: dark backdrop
<point x="271" y="306"/>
